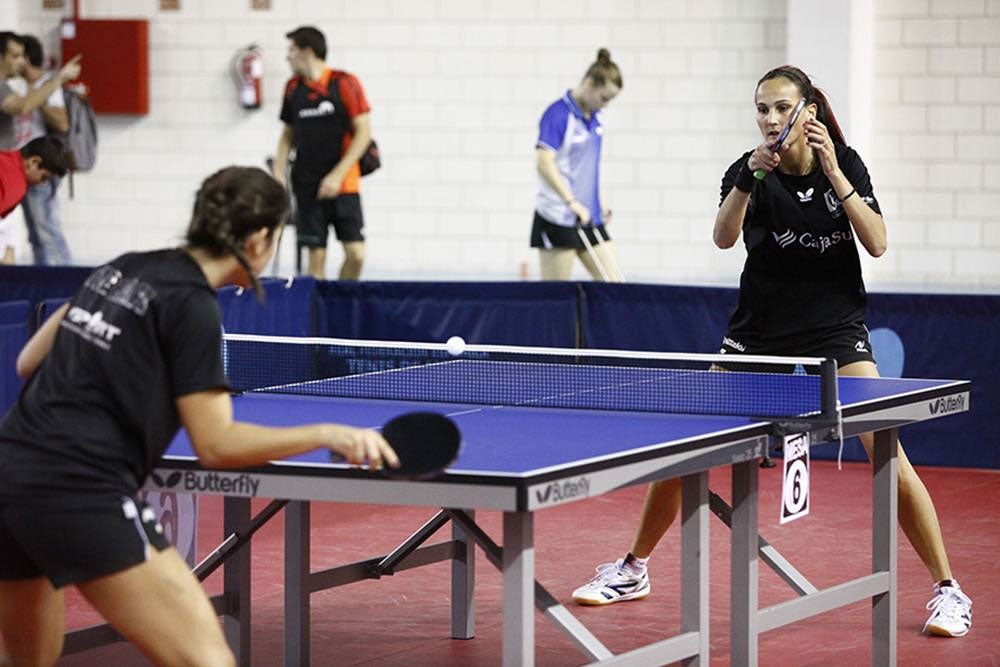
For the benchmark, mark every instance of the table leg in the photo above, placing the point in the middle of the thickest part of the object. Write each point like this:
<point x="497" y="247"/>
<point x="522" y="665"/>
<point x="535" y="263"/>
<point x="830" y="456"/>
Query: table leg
<point x="743" y="594"/>
<point x="518" y="589"/>
<point x="236" y="581"/>
<point x="694" y="564"/>
<point x="296" y="583"/>
<point x="463" y="585"/>
<point x="885" y="494"/>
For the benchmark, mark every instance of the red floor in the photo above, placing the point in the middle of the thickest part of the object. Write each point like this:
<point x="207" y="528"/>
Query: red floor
<point x="405" y="619"/>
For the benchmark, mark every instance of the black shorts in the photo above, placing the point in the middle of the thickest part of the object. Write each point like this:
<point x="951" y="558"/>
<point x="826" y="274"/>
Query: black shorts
<point x="313" y="218"/>
<point x="847" y="344"/>
<point x="548" y="235"/>
<point x="77" y="538"/>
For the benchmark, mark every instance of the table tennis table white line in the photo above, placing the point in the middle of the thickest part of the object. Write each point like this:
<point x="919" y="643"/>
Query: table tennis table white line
<point x="544" y="470"/>
<point x="526" y="350"/>
<point x="554" y="468"/>
<point x="531" y="401"/>
<point x="674" y="374"/>
<point x="459" y="413"/>
<point x="527" y="403"/>
<point x="499" y="473"/>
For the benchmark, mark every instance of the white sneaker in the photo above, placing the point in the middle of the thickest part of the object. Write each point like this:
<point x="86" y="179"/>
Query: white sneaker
<point x="613" y="583"/>
<point x="952" y="612"/>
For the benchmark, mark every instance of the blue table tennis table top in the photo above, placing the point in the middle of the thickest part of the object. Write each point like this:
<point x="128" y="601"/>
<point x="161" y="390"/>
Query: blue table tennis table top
<point x="518" y="441"/>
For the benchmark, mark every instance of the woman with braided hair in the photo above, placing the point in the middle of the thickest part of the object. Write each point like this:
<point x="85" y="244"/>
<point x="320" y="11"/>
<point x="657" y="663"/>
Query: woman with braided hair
<point x="799" y="210"/>
<point x="109" y="378"/>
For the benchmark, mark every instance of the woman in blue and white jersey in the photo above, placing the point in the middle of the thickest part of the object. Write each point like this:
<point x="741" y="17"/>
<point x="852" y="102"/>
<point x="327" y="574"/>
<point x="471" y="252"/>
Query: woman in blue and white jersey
<point x="569" y="156"/>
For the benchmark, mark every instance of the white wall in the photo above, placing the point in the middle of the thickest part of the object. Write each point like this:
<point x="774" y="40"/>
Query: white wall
<point x="937" y="140"/>
<point x="457" y="86"/>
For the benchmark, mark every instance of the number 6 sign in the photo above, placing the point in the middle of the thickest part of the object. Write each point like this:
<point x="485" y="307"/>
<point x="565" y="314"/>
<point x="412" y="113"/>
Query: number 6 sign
<point x="795" y="481"/>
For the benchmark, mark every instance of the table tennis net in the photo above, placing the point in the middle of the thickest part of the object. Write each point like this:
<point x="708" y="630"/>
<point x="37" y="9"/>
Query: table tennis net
<point x="532" y="377"/>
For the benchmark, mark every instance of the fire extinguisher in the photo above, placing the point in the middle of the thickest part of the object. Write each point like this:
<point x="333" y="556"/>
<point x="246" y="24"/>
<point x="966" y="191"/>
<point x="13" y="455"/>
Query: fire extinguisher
<point x="249" y="69"/>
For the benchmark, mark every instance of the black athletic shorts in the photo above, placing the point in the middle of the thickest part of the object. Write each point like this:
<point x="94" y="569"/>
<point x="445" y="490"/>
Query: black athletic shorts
<point x="847" y="344"/>
<point x="313" y="218"/>
<point x="76" y="538"/>
<point x="548" y="235"/>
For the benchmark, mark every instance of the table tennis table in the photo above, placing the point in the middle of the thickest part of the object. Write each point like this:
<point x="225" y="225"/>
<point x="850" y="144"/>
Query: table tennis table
<point x="524" y="458"/>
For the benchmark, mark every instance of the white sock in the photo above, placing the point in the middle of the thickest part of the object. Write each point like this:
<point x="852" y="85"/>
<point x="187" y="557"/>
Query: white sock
<point x="635" y="564"/>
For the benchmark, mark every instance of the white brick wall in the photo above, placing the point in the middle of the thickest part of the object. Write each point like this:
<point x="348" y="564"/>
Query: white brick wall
<point x="457" y="87"/>
<point x="944" y="216"/>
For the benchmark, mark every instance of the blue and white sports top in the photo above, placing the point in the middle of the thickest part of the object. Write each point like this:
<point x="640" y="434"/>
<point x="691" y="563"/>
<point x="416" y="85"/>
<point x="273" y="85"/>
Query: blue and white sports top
<point x="576" y="142"/>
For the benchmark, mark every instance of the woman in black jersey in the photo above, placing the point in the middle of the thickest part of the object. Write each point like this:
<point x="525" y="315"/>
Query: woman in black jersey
<point x="801" y="294"/>
<point x="109" y="379"/>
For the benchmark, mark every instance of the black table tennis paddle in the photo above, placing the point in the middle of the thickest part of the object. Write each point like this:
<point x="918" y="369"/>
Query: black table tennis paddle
<point x="425" y="442"/>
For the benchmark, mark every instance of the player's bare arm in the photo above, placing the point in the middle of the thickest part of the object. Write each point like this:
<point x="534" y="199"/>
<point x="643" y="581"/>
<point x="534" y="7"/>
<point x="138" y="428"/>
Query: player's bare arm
<point x="729" y="219"/>
<point x="56" y="118"/>
<point x="868" y="225"/>
<point x="38" y="346"/>
<point x="15" y="105"/>
<point x="285" y="142"/>
<point x="222" y="442"/>
<point x="329" y="187"/>
<point x="546" y="162"/>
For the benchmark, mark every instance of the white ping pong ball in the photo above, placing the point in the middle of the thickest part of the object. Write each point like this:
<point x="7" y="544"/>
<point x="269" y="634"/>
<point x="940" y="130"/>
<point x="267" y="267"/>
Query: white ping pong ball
<point x="455" y="345"/>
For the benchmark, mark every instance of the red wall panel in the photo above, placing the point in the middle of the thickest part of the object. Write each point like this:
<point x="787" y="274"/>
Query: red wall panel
<point x="115" y="63"/>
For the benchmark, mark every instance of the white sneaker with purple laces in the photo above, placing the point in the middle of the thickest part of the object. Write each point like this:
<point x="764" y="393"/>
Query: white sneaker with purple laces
<point x="613" y="583"/>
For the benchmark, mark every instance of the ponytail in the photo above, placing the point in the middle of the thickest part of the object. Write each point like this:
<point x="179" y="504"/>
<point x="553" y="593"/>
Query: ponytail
<point x="812" y="95"/>
<point x="232" y="204"/>
<point x="603" y="70"/>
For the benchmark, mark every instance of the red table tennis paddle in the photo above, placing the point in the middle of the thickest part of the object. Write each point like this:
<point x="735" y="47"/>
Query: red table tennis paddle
<point x="425" y="442"/>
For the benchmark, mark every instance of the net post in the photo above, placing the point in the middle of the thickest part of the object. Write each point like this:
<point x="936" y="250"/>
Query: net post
<point x="828" y="390"/>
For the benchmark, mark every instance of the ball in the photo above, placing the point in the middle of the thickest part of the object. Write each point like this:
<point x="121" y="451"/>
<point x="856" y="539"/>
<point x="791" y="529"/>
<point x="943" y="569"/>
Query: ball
<point x="455" y="345"/>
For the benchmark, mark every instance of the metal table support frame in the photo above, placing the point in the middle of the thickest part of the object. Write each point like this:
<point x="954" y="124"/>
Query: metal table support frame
<point x="748" y="621"/>
<point x="521" y="592"/>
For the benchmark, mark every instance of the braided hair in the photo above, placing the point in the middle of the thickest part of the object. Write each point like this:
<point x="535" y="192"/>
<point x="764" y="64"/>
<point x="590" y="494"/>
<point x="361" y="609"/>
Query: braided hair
<point x="232" y="204"/>
<point x="812" y="95"/>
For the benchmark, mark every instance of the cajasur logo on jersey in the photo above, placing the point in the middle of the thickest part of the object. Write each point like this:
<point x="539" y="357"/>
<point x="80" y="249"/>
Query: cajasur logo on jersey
<point x="820" y="242"/>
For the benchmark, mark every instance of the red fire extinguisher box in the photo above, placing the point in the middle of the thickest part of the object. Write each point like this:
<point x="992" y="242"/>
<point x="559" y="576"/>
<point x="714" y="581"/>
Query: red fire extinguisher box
<point x="115" y="62"/>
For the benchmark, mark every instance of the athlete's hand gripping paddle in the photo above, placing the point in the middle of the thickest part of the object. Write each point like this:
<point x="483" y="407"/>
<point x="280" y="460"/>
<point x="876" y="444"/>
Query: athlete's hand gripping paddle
<point x="425" y="442"/>
<point x="759" y="174"/>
